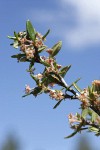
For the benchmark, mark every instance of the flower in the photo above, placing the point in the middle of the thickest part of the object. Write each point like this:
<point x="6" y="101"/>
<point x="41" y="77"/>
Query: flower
<point x="84" y="98"/>
<point x="49" y="61"/>
<point x="96" y="85"/>
<point x="39" y="35"/>
<point x="27" y="89"/>
<point x="38" y="43"/>
<point x="73" y="118"/>
<point x="39" y="76"/>
<point x="29" y="53"/>
<point x="56" y="94"/>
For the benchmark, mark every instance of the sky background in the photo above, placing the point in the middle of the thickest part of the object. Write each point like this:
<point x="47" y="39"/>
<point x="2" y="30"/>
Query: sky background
<point x="33" y="120"/>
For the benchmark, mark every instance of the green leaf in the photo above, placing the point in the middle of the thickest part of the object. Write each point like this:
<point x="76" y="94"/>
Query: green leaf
<point x="36" y="91"/>
<point x="23" y="59"/>
<point x="15" y="44"/>
<point x="64" y="70"/>
<point x="71" y="135"/>
<point x="53" y="79"/>
<point x="11" y="37"/>
<point x="46" y="34"/>
<point x="94" y="116"/>
<point x="93" y="129"/>
<point x="56" y="48"/>
<point x="57" y="104"/>
<point x="76" y="131"/>
<point x="41" y="49"/>
<point x="26" y="94"/>
<point x="31" y="63"/>
<point x="43" y="62"/>
<point x="34" y="78"/>
<point x="18" y="56"/>
<point x="77" y="87"/>
<point x="85" y="113"/>
<point x="16" y="35"/>
<point x="30" y="30"/>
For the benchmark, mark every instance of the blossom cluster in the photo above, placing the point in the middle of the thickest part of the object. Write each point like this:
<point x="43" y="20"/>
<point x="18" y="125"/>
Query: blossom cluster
<point x="31" y="45"/>
<point x="27" y="46"/>
<point x="91" y="96"/>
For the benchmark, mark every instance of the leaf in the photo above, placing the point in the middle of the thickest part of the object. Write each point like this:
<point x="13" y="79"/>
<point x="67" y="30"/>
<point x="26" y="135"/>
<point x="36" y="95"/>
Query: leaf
<point x="36" y="91"/>
<point x="71" y="135"/>
<point x="41" y="49"/>
<point x="56" y="48"/>
<point x="43" y="62"/>
<point x="64" y="70"/>
<point x="18" y="56"/>
<point x="76" y="131"/>
<point x="16" y="35"/>
<point x="85" y="113"/>
<point x="11" y="37"/>
<point x="34" y="78"/>
<point x="76" y="87"/>
<point x="26" y="94"/>
<point x="23" y="59"/>
<point x="46" y="34"/>
<point x="74" y="82"/>
<point x="53" y="79"/>
<point x="94" y="116"/>
<point x="93" y="129"/>
<point x="57" y="104"/>
<point x="31" y="31"/>
<point x="15" y="44"/>
<point x="31" y="63"/>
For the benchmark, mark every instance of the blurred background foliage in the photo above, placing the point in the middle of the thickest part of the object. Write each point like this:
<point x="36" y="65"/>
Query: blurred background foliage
<point x="13" y="143"/>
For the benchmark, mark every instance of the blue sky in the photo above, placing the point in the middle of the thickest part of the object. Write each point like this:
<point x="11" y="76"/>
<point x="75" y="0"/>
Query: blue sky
<point x="77" y="24"/>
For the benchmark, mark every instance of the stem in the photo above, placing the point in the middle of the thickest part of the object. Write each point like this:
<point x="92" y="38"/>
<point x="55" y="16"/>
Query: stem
<point x="95" y="110"/>
<point x="67" y="87"/>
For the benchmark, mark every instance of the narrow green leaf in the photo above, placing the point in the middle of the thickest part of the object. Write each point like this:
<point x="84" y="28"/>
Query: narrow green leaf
<point x="23" y="59"/>
<point x="11" y="37"/>
<point x="93" y="129"/>
<point x="57" y="104"/>
<point x="46" y="34"/>
<point x="53" y="79"/>
<point x="64" y="70"/>
<point x="94" y="116"/>
<point x="79" y="128"/>
<point x="41" y="49"/>
<point x="18" y="56"/>
<point x="56" y="48"/>
<point x="71" y="135"/>
<point x="85" y="113"/>
<point x="15" y="44"/>
<point x="16" y="35"/>
<point x="36" y="91"/>
<point x="31" y="31"/>
<point x="43" y="62"/>
<point x="31" y="63"/>
<point x="77" y="87"/>
<point x="34" y="78"/>
<point x="73" y="82"/>
<point x="26" y="95"/>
